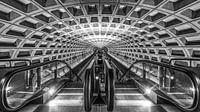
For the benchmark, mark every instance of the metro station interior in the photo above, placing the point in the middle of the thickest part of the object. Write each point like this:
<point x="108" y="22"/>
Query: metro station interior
<point x="100" y="55"/>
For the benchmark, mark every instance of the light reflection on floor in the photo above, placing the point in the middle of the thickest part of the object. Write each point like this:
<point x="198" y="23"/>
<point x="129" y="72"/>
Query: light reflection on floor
<point x="144" y="103"/>
<point x="130" y="100"/>
<point x="66" y="102"/>
<point x="67" y="99"/>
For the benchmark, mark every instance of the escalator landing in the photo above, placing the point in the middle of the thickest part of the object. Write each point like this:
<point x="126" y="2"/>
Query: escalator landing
<point x="126" y="100"/>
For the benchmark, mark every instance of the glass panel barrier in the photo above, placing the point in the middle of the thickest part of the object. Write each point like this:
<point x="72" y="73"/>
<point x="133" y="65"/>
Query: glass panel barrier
<point x="138" y="69"/>
<point x="151" y="72"/>
<point x="48" y="72"/>
<point x="175" y="84"/>
<point x="21" y="87"/>
<point x="178" y="86"/>
<point x="25" y="84"/>
<point x="62" y="70"/>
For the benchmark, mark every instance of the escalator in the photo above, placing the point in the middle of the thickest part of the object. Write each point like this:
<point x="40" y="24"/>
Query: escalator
<point x="35" y="83"/>
<point x="25" y="84"/>
<point x="128" y="98"/>
<point x="128" y="95"/>
<point x="145" y="86"/>
<point x="68" y="99"/>
<point x="99" y="84"/>
<point x="162" y="82"/>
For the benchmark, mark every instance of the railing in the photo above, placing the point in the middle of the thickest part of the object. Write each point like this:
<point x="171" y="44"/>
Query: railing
<point x="10" y="64"/>
<point x="179" y="86"/>
<point x="24" y="84"/>
<point x="191" y="61"/>
<point x="121" y="77"/>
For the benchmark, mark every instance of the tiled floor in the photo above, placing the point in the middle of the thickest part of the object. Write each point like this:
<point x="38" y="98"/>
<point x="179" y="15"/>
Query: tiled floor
<point x="126" y="100"/>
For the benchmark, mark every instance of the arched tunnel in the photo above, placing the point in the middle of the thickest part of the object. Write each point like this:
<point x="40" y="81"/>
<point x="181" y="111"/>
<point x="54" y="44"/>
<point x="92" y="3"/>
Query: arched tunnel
<point x="151" y="48"/>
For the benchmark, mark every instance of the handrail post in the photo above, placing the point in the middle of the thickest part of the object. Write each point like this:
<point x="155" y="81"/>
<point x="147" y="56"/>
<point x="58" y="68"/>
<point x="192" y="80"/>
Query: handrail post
<point x="27" y="79"/>
<point x="77" y="79"/>
<point x="56" y="70"/>
<point x="38" y="70"/>
<point x="70" y="76"/>
<point x="31" y="74"/>
<point x="159" y="76"/>
<point x="10" y="63"/>
<point x="117" y="73"/>
<point x="129" y="74"/>
<point x="143" y="71"/>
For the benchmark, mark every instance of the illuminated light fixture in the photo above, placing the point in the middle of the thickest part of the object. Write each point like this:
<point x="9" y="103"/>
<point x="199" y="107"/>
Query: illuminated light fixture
<point x="62" y="10"/>
<point x="192" y="89"/>
<point x="148" y="90"/>
<point x="59" y="23"/>
<point x="106" y="5"/>
<point x="51" y="36"/>
<point x="47" y="15"/>
<point x="77" y="7"/>
<point x="153" y="13"/>
<point x="174" y="0"/>
<point x="149" y="35"/>
<point x="97" y="77"/>
<point x="24" y="1"/>
<point x="8" y="88"/>
<point x="92" y="5"/>
<point x="172" y="77"/>
<point x="51" y="91"/>
<point x="137" y="9"/>
<point x="71" y="19"/>
<point x="147" y="104"/>
<point x="49" y="27"/>
<point x="140" y="22"/>
<point x="121" y="6"/>
<point x="141" y="30"/>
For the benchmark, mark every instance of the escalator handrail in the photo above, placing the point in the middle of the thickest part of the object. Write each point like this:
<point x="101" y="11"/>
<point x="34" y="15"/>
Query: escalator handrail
<point x="5" y="107"/>
<point x="71" y="70"/>
<point x="42" y="64"/>
<point x="128" y="70"/>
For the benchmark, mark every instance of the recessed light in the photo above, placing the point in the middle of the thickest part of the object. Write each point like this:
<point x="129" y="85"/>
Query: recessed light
<point x="62" y="10"/>
<point x="121" y="6"/>
<point x="92" y="5"/>
<point x="106" y="5"/>
<point x="77" y="7"/>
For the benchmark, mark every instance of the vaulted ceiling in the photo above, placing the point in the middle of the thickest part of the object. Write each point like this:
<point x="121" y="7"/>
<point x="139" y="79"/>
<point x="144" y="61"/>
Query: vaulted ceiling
<point x="162" y="28"/>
